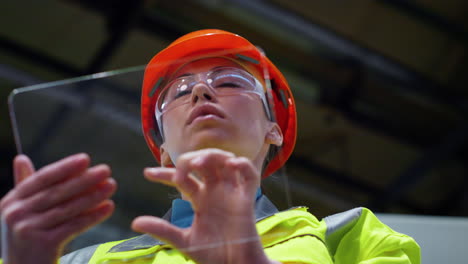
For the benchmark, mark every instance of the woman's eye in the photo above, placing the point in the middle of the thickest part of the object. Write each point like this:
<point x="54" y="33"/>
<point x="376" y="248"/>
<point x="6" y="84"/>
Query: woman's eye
<point x="228" y="85"/>
<point x="182" y="93"/>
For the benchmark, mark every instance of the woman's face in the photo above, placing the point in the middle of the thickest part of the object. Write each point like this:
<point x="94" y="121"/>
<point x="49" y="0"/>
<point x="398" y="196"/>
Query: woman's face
<point x="235" y="122"/>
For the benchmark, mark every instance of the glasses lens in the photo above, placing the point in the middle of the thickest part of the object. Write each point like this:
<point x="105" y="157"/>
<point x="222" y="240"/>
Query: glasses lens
<point x="222" y="79"/>
<point x="176" y="90"/>
<point x="231" y="78"/>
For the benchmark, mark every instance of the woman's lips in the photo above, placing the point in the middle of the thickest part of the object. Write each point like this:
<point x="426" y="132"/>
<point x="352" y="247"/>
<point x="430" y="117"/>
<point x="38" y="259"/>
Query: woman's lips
<point x="205" y="118"/>
<point x="205" y="112"/>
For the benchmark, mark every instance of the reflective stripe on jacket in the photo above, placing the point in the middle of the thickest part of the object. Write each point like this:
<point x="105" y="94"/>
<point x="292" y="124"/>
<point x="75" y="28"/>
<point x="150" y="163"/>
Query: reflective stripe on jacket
<point x="291" y="236"/>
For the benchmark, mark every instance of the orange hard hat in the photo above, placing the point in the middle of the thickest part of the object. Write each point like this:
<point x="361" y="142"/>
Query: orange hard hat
<point x="226" y="44"/>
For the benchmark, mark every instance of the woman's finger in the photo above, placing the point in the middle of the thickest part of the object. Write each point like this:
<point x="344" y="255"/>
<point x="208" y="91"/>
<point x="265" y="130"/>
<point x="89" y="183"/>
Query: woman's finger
<point x="160" y="175"/>
<point x="42" y="179"/>
<point x="22" y="167"/>
<point x="247" y="175"/>
<point x="65" y="231"/>
<point x="231" y="174"/>
<point x="70" y="209"/>
<point x="206" y="163"/>
<point x="161" y="229"/>
<point x="63" y="191"/>
<point x="177" y="178"/>
<point x="53" y="173"/>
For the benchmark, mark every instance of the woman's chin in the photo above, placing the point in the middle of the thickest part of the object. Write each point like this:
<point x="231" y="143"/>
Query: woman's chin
<point x="214" y="143"/>
<point x="211" y="138"/>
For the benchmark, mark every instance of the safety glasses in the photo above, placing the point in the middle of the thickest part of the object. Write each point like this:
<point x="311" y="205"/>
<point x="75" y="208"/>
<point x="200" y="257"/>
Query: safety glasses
<point x="223" y="81"/>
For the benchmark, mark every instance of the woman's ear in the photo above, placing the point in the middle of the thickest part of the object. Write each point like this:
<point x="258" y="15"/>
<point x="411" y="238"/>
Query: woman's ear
<point x="165" y="158"/>
<point x="274" y="135"/>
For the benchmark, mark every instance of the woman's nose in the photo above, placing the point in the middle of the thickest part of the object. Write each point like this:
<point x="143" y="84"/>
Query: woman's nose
<point x="201" y="91"/>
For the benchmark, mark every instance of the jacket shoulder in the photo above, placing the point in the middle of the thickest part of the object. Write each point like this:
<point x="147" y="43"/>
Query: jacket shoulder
<point x="79" y="256"/>
<point x="87" y="254"/>
<point x="358" y="235"/>
<point x="294" y="236"/>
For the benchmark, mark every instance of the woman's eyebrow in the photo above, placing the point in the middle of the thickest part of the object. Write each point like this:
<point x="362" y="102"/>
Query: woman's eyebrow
<point x="191" y="74"/>
<point x="217" y="67"/>
<point x="220" y="68"/>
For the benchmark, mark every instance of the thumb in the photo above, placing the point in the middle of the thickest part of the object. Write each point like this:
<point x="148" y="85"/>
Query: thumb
<point x="22" y="168"/>
<point x="161" y="229"/>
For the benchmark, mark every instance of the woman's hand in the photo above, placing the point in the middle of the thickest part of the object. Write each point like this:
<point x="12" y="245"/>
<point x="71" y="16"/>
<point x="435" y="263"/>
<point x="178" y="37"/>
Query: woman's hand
<point x="221" y="189"/>
<point x="48" y="207"/>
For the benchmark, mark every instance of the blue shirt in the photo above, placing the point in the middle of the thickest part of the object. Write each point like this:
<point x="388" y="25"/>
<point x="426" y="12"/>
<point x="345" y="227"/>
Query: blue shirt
<point x="182" y="212"/>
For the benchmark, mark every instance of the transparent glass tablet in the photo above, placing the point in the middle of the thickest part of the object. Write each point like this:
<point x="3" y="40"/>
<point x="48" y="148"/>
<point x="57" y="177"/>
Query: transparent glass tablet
<point x="99" y="114"/>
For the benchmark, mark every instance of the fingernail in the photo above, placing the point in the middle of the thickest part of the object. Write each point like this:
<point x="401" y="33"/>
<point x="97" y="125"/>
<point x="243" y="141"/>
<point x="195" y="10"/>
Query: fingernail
<point x="151" y="169"/>
<point x="104" y="167"/>
<point x="111" y="181"/>
<point x="108" y="185"/>
<point x="82" y="156"/>
<point x="21" y="156"/>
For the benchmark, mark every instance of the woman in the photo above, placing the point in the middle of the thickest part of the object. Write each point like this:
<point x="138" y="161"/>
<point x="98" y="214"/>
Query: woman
<point x="219" y="116"/>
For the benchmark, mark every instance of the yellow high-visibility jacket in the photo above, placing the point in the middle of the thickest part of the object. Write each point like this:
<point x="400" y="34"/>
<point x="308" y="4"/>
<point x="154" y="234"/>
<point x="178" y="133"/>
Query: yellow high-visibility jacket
<point x="291" y="236"/>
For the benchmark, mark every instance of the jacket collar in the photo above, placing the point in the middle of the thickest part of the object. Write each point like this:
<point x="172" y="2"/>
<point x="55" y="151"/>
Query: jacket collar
<point x="263" y="208"/>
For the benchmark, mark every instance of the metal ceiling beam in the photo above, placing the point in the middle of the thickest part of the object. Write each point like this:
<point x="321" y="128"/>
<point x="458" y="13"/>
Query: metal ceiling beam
<point x="140" y="17"/>
<point x="317" y="33"/>
<point x="36" y="57"/>
<point x="160" y="26"/>
<point x="120" y="22"/>
<point x="117" y="33"/>
<point x="429" y="18"/>
<point x="344" y="96"/>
